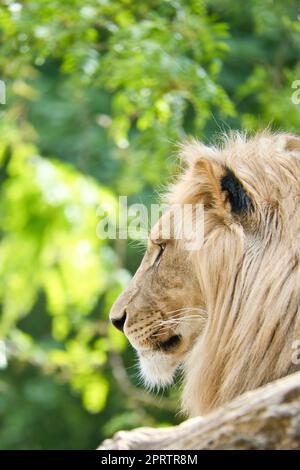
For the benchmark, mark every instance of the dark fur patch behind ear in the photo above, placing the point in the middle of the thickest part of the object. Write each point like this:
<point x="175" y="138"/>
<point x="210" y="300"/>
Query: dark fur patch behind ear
<point x="239" y="200"/>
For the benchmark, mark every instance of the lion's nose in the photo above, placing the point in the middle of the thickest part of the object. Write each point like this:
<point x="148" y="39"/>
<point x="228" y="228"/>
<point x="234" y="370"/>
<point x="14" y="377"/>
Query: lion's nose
<point x="119" y="322"/>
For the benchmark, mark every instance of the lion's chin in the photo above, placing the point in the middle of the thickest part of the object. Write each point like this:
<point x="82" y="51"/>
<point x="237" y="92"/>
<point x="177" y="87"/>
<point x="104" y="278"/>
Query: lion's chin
<point x="157" y="369"/>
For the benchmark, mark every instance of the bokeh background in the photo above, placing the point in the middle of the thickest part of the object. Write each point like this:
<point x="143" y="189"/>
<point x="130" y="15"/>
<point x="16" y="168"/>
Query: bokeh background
<point x="98" y="92"/>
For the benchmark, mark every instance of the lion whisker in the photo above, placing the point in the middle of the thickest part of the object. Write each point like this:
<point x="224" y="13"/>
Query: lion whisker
<point x="176" y="322"/>
<point x="180" y="310"/>
<point x="171" y="324"/>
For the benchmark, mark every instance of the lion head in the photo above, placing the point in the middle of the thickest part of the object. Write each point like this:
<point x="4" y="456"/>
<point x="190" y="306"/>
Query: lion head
<point x="227" y="313"/>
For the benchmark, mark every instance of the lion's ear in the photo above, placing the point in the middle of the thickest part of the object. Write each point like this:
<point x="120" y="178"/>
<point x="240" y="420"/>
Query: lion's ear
<point x="211" y="181"/>
<point x="202" y="181"/>
<point x="221" y="188"/>
<point x="238" y="198"/>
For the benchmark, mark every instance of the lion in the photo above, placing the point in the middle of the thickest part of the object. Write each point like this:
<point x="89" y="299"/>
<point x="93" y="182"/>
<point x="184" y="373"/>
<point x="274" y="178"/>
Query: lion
<point x="227" y="313"/>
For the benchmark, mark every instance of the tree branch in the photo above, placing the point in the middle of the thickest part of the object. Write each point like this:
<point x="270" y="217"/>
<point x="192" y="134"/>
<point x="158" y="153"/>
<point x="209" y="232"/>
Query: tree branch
<point x="266" y="418"/>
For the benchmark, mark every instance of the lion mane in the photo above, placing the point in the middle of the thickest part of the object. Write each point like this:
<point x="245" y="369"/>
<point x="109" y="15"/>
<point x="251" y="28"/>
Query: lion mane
<point x="248" y="269"/>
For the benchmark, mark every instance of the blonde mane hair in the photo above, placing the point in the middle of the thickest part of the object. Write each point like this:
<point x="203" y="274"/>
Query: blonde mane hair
<point x="248" y="268"/>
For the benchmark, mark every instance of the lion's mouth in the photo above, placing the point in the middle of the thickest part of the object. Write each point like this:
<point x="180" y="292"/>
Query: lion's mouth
<point x="170" y="344"/>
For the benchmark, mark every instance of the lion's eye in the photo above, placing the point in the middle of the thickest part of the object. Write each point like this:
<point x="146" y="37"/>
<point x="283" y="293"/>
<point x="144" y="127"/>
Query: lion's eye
<point x="162" y="247"/>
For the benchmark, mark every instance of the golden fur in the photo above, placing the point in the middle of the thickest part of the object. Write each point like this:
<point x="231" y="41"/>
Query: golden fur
<point x="234" y="303"/>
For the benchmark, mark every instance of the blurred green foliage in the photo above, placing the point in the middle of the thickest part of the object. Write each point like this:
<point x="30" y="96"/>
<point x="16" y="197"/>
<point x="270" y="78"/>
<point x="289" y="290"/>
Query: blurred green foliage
<point x="98" y="92"/>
